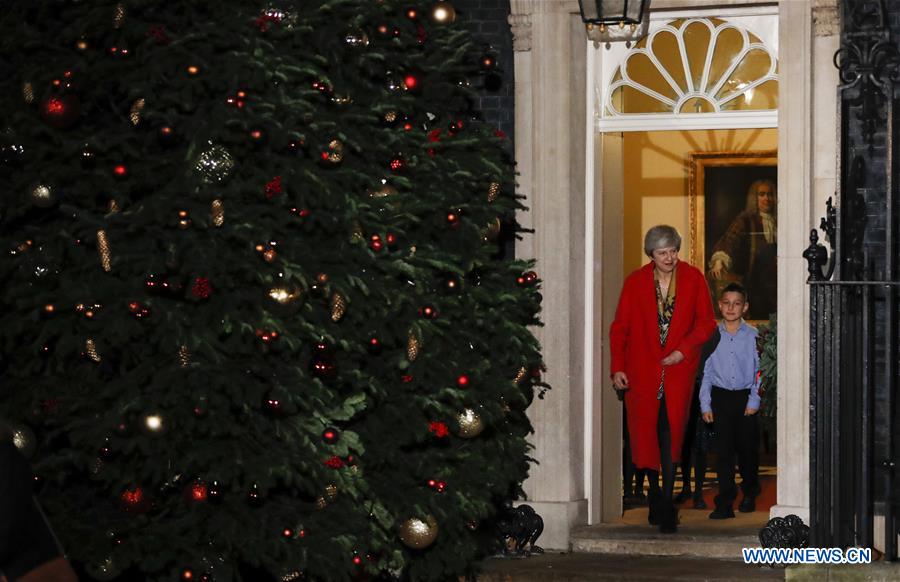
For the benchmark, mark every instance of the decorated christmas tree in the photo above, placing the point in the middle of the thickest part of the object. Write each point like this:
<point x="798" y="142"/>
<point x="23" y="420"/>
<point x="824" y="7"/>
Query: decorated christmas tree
<point x="258" y="322"/>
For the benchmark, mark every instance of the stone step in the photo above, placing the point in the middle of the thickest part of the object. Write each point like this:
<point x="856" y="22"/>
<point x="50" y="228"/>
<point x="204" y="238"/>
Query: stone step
<point x="643" y="541"/>
<point x="697" y="536"/>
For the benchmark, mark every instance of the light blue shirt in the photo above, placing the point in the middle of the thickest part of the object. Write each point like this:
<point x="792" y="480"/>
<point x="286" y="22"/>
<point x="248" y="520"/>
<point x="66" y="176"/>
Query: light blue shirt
<point x="734" y="365"/>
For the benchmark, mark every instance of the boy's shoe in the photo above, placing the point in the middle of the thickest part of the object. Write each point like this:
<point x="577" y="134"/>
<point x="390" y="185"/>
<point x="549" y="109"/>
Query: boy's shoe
<point x="683" y="496"/>
<point x="748" y="505"/>
<point x="722" y="513"/>
<point x="654" y="513"/>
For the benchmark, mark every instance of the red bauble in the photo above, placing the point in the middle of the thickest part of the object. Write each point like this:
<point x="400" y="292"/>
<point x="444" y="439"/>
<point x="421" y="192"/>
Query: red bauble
<point x="397" y="164"/>
<point x="330" y="435"/>
<point x="411" y="81"/>
<point x="376" y="244"/>
<point x="287" y="533"/>
<point x="187" y="574"/>
<point x="429" y="312"/>
<point x="273" y="187"/>
<point x="61" y="111"/>
<point x="199" y="491"/>
<point x="133" y="496"/>
<point x="453" y="218"/>
<point x="273" y="404"/>
<point x="438" y="429"/>
<point x="201" y="289"/>
<point x="334" y="462"/>
<point x="462" y="381"/>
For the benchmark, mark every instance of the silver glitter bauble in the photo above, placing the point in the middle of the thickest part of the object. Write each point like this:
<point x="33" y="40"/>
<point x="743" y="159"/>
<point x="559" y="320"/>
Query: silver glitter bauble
<point x="214" y="165"/>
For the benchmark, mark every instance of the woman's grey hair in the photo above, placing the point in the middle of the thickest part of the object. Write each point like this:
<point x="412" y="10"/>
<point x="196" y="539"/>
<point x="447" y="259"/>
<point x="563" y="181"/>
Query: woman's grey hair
<point x="661" y="236"/>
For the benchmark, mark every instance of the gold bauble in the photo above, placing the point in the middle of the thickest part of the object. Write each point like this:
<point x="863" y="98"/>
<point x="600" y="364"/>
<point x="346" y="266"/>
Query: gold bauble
<point x="42" y="196"/>
<point x="417" y="533"/>
<point x="104" y="251"/>
<point x="331" y="492"/>
<point x="321" y="503"/>
<point x="390" y="116"/>
<point x="338" y="307"/>
<point x="493" y="191"/>
<point x="217" y="210"/>
<point x="412" y="346"/>
<point x="443" y="13"/>
<point x="136" y="108"/>
<point x="283" y="295"/>
<point x="492" y="230"/>
<point x="112" y="207"/>
<point x="470" y="424"/>
<point x="21" y="436"/>
<point x="383" y="191"/>
<point x="28" y="92"/>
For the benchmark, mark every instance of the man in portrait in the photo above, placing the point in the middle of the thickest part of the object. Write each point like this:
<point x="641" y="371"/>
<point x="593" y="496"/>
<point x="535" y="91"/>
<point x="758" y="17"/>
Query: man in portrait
<point x="746" y="253"/>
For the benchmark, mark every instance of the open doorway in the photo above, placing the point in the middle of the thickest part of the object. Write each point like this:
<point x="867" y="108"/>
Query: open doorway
<point x="703" y="182"/>
<point x="685" y="135"/>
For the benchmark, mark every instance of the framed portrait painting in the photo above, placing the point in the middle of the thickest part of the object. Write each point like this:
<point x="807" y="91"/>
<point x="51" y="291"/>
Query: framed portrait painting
<point x="733" y="224"/>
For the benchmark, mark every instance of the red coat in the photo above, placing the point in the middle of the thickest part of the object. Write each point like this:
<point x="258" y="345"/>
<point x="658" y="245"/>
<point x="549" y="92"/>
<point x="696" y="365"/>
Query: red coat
<point x="634" y="343"/>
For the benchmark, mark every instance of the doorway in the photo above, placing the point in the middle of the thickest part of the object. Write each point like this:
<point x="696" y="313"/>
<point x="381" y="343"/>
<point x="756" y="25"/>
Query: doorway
<point x="696" y="88"/>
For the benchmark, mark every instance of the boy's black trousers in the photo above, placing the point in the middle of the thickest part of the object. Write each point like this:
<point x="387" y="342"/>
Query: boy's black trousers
<point x="735" y="433"/>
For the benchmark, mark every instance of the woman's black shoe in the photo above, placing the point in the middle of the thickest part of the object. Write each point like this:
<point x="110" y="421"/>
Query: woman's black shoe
<point x="683" y="496"/>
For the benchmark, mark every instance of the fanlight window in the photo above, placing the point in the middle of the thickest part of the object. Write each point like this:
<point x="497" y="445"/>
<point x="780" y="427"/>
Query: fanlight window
<point x="695" y="66"/>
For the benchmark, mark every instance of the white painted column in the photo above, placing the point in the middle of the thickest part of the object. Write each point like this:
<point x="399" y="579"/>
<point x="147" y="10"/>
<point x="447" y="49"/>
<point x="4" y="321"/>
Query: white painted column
<point x="548" y="139"/>
<point x="799" y="163"/>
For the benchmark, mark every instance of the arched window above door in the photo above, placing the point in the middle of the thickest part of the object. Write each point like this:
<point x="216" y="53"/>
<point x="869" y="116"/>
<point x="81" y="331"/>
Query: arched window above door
<point x="692" y="68"/>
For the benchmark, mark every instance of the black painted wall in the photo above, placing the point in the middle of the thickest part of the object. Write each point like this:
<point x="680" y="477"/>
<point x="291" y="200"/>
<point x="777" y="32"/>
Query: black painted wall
<point x="871" y="186"/>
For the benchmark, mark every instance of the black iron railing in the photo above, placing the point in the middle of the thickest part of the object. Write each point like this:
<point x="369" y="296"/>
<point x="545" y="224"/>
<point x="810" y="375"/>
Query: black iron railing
<point x="854" y="291"/>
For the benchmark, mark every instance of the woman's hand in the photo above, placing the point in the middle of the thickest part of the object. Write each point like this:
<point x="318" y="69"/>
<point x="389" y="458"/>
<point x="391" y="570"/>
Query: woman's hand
<point x="707" y="417"/>
<point x="673" y="358"/>
<point x="620" y="381"/>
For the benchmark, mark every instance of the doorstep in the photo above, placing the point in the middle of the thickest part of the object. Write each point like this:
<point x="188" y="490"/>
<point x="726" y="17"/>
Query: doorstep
<point x="697" y="536"/>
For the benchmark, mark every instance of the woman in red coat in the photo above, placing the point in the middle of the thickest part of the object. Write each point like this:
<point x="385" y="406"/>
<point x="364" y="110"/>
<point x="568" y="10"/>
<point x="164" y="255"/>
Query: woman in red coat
<point x="663" y="319"/>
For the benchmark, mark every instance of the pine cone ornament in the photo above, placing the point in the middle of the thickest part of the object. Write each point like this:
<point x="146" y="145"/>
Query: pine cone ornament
<point x="338" y="307"/>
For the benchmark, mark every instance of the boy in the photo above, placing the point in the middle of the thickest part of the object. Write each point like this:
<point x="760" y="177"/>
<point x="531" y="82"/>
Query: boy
<point x="729" y="395"/>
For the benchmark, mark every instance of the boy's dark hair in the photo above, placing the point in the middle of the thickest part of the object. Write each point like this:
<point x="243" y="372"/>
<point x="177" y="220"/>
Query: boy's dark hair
<point x="734" y="288"/>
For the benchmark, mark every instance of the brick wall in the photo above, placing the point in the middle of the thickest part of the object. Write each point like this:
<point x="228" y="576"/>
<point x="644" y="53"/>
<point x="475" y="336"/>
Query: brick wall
<point x="487" y="20"/>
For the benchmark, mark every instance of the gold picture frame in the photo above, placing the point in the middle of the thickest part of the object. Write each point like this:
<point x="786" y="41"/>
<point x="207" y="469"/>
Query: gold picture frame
<point x="718" y="194"/>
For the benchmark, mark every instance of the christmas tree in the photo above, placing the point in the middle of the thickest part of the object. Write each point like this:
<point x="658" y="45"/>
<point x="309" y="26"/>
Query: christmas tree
<point x="257" y="318"/>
